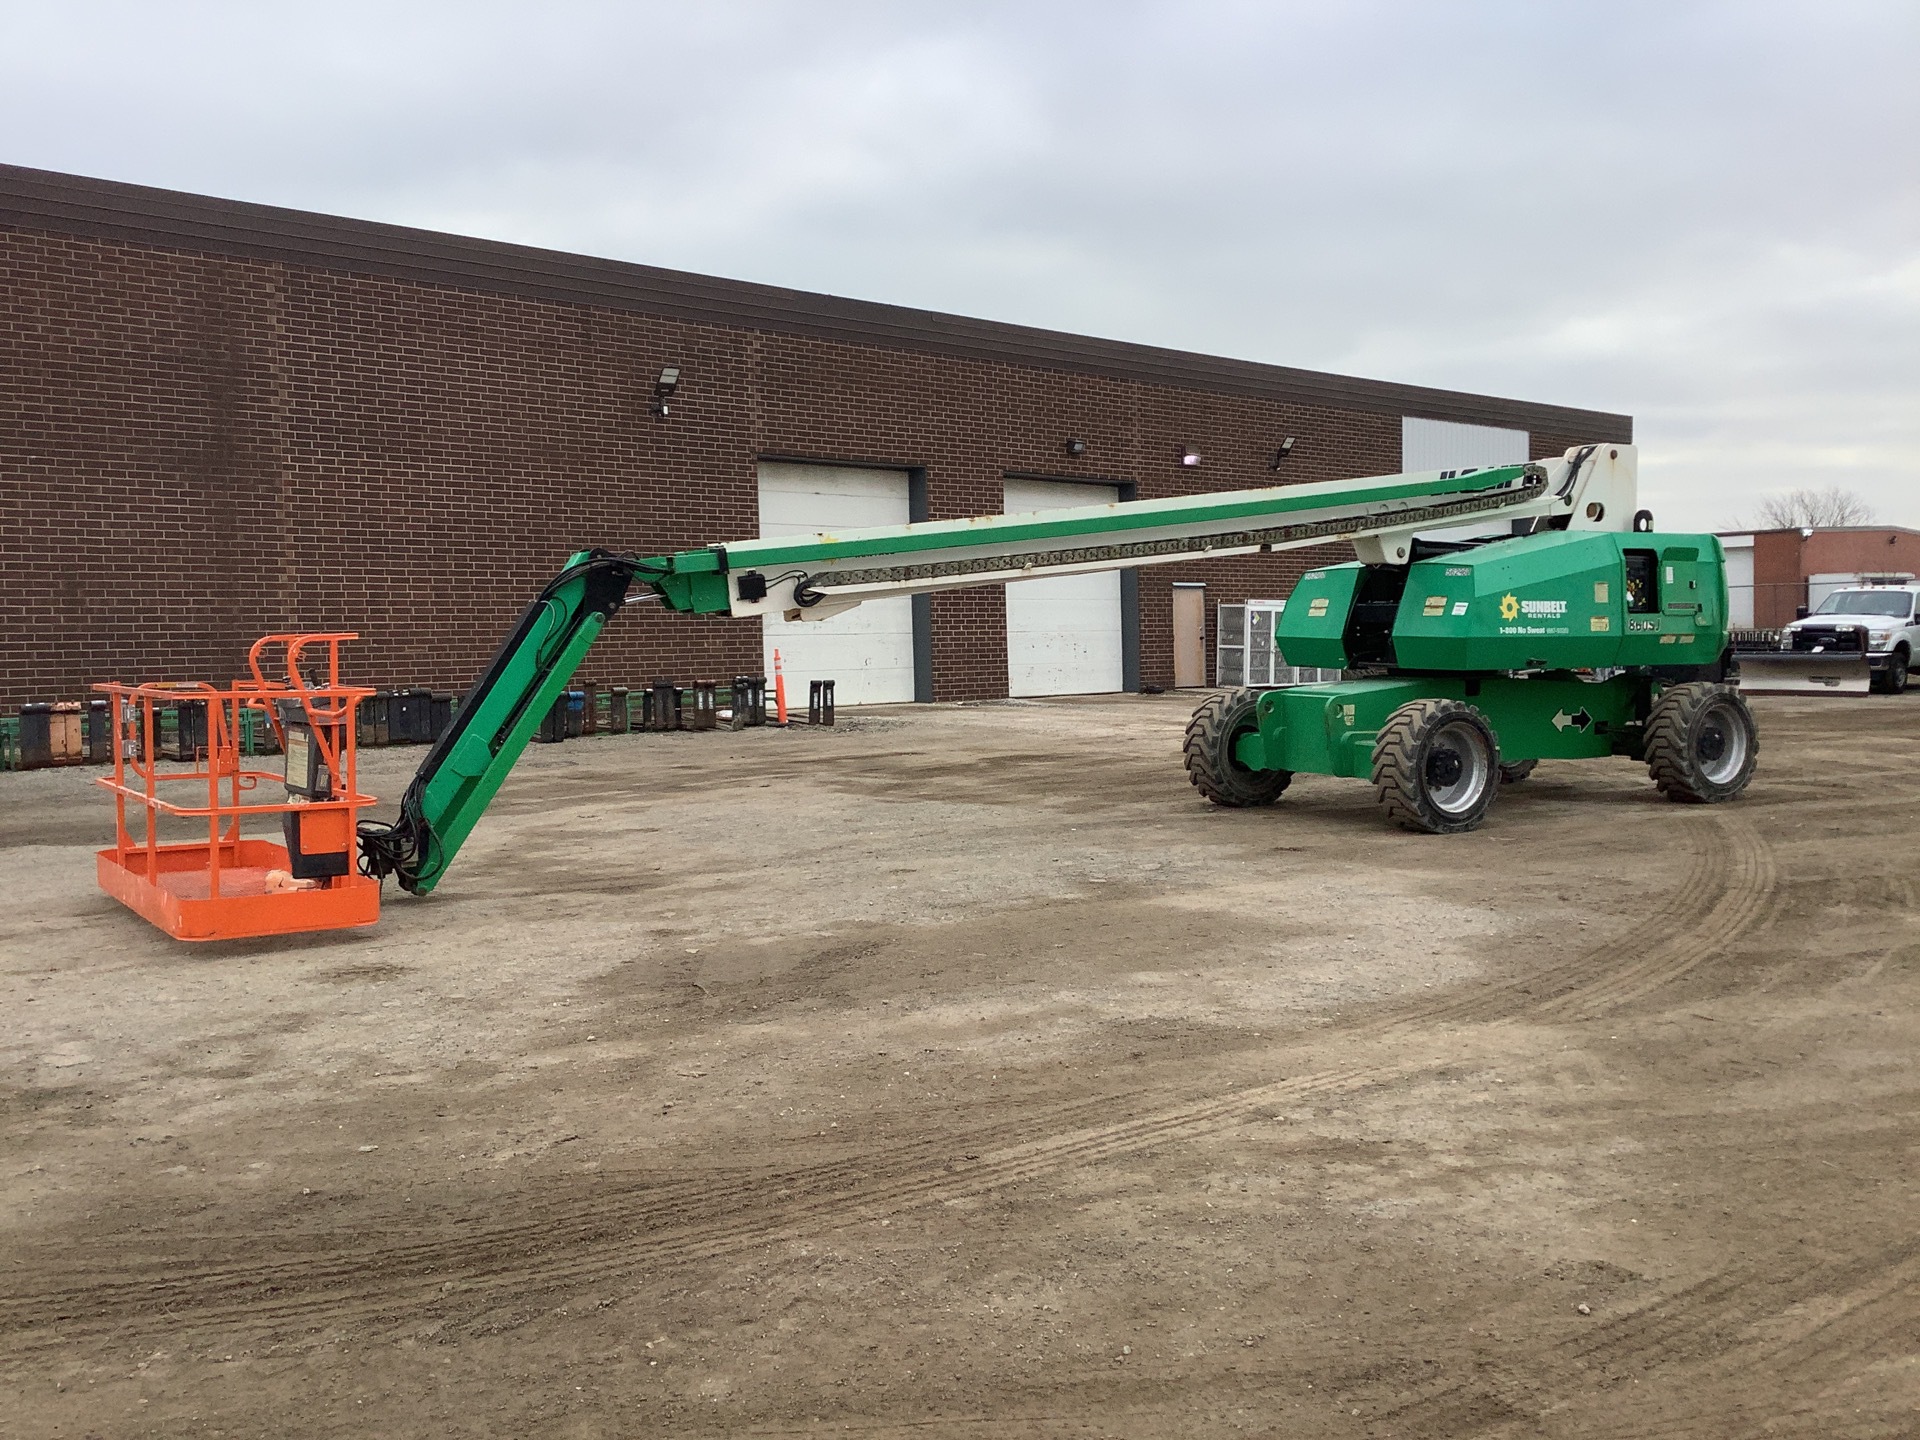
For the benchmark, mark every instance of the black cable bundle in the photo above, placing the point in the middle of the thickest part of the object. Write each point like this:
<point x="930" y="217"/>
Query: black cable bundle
<point x="396" y="848"/>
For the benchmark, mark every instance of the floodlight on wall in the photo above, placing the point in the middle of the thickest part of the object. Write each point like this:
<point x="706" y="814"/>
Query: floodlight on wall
<point x="1076" y="447"/>
<point x="1280" y="455"/>
<point x="663" y="388"/>
<point x="1189" y="456"/>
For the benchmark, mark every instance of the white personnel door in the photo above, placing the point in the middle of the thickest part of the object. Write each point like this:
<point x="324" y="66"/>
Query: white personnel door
<point x="1063" y="633"/>
<point x="868" y="651"/>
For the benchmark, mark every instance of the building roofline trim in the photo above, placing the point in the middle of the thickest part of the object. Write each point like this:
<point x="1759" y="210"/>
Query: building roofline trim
<point x="1822" y="530"/>
<point x="50" y="202"/>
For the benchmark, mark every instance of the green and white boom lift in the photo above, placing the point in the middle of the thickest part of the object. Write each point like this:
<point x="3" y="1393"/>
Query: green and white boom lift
<point x="1590" y="635"/>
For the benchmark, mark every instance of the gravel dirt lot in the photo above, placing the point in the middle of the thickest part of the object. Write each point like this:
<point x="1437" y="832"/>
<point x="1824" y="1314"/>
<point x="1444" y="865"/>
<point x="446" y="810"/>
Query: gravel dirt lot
<point x="958" y="1072"/>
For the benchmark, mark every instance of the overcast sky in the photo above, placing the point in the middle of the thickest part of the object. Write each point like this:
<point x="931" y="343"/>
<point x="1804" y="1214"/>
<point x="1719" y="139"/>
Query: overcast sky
<point x="1704" y="215"/>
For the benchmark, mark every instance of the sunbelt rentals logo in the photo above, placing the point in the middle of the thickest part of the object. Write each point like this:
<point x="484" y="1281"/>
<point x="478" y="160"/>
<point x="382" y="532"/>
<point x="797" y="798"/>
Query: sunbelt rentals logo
<point x="1512" y="608"/>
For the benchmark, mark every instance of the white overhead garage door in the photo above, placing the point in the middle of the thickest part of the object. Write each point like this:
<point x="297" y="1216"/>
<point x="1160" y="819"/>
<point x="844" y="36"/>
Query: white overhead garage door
<point x="1063" y="634"/>
<point x="867" y="652"/>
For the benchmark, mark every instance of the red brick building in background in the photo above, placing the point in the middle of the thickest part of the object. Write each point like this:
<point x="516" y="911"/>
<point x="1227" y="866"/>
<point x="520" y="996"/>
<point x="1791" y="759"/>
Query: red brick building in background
<point x="220" y="419"/>
<point x="1771" y="573"/>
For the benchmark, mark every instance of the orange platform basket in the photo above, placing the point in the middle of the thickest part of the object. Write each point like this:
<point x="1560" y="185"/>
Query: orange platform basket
<point x="228" y="886"/>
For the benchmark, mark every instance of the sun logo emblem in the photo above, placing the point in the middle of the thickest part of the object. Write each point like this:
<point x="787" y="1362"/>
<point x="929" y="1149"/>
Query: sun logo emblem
<point x="1509" y="608"/>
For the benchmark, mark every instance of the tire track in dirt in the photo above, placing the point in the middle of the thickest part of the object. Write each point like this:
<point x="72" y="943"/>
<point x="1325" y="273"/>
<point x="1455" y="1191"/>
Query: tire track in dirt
<point x="630" y="1232"/>
<point x="1883" y="1305"/>
<point x="1712" y="1320"/>
<point x="1704" y="1420"/>
<point x="571" y="1241"/>
<point x="1720" y="896"/>
<point x="1733" y="1329"/>
<point x="1503" y="1401"/>
<point x="1747" y="893"/>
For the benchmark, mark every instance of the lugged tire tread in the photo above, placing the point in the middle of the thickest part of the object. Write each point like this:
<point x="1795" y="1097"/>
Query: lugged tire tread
<point x="1393" y="780"/>
<point x="1665" y="745"/>
<point x="1208" y="764"/>
<point x="1395" y="764"/>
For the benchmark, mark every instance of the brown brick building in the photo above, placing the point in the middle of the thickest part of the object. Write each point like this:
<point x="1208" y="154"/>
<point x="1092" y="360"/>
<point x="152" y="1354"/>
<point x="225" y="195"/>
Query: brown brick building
<point x="1783" y="570"/>
<point x="218" y="420"/>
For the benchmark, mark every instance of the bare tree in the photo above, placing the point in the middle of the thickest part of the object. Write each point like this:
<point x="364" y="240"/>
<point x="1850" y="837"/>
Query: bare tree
<point x="1814" y="509"/>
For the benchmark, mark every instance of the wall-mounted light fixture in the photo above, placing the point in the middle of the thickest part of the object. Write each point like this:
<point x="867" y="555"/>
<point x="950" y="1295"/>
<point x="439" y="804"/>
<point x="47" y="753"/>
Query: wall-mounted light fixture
<point x="663" y="389"/>
<point x="1189" y="456"/>
<point x="1076" y="447"/>
<point x="1286" y="449"/>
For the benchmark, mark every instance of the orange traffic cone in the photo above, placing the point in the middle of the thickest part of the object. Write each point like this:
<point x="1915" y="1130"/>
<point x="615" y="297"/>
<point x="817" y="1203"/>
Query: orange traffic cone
<point x="779" y="692"/>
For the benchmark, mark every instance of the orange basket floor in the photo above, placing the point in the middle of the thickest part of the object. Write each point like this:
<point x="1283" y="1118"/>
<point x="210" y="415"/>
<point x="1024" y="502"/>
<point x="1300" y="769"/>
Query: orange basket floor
<point x="235" y="881"/>
<point x="180" y="900"/>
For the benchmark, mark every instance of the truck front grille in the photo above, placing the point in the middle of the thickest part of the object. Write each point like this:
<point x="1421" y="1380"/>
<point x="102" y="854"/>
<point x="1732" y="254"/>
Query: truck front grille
<point x="1830" y="637"/>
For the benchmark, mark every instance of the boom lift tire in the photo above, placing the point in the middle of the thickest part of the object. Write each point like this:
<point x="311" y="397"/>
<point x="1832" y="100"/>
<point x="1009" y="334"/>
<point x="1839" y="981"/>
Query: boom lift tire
<point x="1516" y="771"/>
<point x="1212" y="768"/>
<point x="1701" y="743"/>
<point x="1436" y="766"/>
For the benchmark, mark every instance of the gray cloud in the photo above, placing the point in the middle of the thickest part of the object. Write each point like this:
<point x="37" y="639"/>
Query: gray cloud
<point x="1705" y="214"/>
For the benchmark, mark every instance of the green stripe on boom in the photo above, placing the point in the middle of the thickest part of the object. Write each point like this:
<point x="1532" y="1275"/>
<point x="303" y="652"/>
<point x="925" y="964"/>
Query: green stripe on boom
<point x="1098" y="519"/>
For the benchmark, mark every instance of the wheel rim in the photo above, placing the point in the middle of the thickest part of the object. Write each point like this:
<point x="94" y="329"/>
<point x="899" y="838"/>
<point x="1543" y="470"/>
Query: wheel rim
<point x="1457" y="767"/>
<point x="1720" y="742"/>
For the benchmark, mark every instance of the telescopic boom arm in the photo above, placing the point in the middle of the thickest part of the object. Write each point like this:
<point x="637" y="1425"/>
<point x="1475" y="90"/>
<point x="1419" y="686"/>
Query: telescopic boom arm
<point x="470" y="761"/>
<point x="821" y="575"/>
<point x="811" y="578"/>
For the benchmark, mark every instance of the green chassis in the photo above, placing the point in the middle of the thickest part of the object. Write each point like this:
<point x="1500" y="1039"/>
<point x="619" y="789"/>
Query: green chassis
<point x="1329" y="729"/>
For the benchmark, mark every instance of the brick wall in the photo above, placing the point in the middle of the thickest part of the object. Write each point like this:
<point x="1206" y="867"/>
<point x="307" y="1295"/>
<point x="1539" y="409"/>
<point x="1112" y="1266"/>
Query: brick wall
<point x="196" y="449"/>
<point x="1861" y="551"/>
<point x="1783" y="559"/>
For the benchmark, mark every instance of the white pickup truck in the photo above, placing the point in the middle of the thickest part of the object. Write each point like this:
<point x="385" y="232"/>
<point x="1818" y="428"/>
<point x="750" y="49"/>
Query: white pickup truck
<point x="1890" y="614"/>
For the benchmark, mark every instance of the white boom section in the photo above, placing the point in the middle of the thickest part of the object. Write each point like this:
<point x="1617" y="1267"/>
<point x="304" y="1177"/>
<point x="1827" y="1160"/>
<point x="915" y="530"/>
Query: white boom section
<point x="1591" y="487"/>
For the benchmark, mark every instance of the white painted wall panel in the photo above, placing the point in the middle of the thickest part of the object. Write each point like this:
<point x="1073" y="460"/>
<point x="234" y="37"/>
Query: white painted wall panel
<point x="1063" y="633"/>
<point x="1448" y="445"/>
<point x="1739" y="550"/>
<point x="867" y="652"/>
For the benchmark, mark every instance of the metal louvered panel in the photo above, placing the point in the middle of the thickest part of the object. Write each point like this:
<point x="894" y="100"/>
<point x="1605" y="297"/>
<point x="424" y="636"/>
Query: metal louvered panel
<point x="1230" y="646"/>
